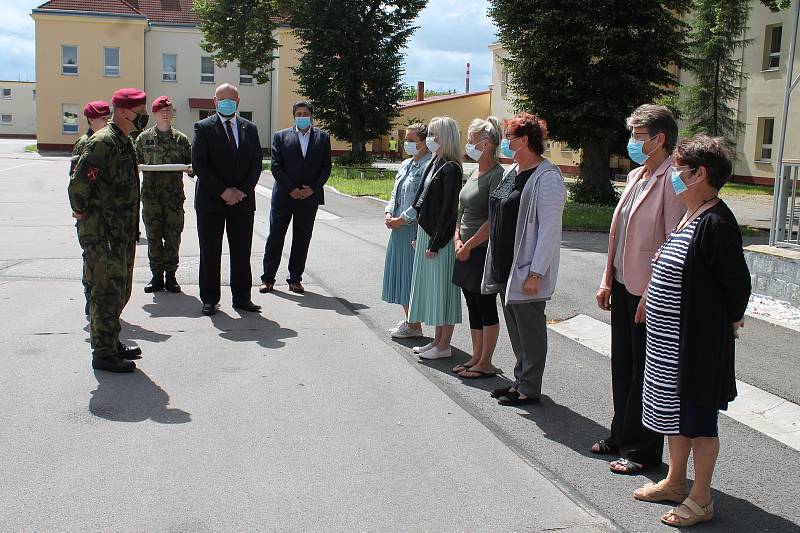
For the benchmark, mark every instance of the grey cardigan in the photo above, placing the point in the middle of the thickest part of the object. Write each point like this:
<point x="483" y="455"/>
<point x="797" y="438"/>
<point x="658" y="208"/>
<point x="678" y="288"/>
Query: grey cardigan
<point x="537" y="243"/>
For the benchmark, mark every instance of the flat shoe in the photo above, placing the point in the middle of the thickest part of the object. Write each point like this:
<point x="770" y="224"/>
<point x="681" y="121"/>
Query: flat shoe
<point x="247" y="306"/>
<point x="604" y="448"/>
<point x="689" y="513"/>
<point x="496" y="393"/>
<point x="266" y="287"/>
<point x="660" y="492"/>
<point x="513" y="399"/>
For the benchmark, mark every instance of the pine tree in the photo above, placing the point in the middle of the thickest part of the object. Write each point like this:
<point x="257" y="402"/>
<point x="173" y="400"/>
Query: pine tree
<point x="716" y="41"/>
<point x="584" y="65"/>
<point x="350" y="64"/>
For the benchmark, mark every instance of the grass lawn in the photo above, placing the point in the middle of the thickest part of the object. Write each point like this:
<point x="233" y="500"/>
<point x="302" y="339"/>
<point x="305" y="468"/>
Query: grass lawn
<point x="31" y="148"/>
<point x="741" y="189"/>
<point x="587" y="217"/>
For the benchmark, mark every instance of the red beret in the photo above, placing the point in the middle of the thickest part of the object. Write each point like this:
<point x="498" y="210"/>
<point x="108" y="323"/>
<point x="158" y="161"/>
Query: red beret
<point x="160" y="103"/>
<point x="96" y="109"/>
<point x="128" y="98"/>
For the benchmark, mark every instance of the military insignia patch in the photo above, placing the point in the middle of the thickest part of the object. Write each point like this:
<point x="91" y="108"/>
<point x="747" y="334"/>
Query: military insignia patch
<point x="92" y="173"/>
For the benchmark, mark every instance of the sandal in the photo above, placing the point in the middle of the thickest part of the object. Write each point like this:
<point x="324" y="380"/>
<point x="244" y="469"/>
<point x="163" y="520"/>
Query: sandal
<point x="602" y="447"/>
<point x="629" y="468"/>
<point x="660" y="492"/>
<point x="688" y="514"/>
<point x="460" y="368"/>
<point x="477" y="374"/>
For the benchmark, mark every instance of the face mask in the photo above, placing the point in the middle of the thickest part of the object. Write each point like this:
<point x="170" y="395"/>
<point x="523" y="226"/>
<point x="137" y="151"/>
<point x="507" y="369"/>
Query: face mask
<point x="432" y="145"/>
<point x="678" y="184"/>
<point x="226" y="108"/>
<point x="473" y="152"/>
<point x="302" y="122"/>
<point x="410" y="147"/>
<point x="635" y="150"/>
<point x="505" y="149"/>
<point x="140" y="121"/>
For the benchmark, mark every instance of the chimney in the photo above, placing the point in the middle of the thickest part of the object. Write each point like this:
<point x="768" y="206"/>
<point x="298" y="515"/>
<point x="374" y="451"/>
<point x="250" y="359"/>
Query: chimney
<point x="467" y="88"/>
<point x="420" y="91"/>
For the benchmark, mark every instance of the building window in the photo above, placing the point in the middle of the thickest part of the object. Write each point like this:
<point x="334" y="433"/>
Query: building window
<point x="245" y="78"/>
<point x="169" y="67"/>
<point x="205" y="113"/>
<point x="111" y="62"/>
<point x="772" y="47"/>
<point x="69" y="118"/>
<point x="766" y="127"/>
<point x="6" y="119"/>
<point x="504" y="84"/>
<point x="34" y="94"/>
<point x="206" y="70"/>
<point x="247" y="115"/>
<point x="5" y="94"/>
<point x="69" y="60"/>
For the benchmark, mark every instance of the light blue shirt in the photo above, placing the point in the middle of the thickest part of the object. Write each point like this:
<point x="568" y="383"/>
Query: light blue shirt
<point x="406" y="184"/>
<point x="304" y="138"/>
<point x="234" y="127"/>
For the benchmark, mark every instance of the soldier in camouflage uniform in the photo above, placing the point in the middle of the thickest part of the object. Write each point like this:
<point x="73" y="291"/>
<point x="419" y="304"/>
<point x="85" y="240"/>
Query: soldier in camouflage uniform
<point x="104" y="195"/>
<point x="97" y="114"/>
<point x="162" y="194"/>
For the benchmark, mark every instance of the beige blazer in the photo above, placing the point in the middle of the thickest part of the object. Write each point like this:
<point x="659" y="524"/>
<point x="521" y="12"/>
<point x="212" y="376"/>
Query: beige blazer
<point x="653" y="217"/>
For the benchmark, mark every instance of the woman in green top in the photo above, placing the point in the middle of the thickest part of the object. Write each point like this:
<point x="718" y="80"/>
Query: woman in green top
<point x="471" y="237"/>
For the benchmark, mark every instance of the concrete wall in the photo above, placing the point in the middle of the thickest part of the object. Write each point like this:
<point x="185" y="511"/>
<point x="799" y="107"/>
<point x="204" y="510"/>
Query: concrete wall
<point x="21" y="106"/>
<point x="90" y="34"/>
<point x="775" y="272"/>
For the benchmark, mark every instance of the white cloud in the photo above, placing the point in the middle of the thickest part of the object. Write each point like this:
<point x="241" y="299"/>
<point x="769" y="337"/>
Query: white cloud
<point x="17" y="41"/>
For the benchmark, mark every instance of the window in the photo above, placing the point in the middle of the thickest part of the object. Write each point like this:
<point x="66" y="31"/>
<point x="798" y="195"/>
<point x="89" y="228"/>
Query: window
<point x="205" y="113"/>
<point x="772" y="47"/>
<point x="247" y="115"/>
<point x="6" y="119"/>
<point x="245" y="78"/>
<point x="766" y="127"/>
<point x="169" y="67"/>
<point x="69" y="60"/>
<point x="5" y="94"/>
<point x="504" y="83"/>
<point x="34" y="94"/>
<point x="111" y="61"/>
<point x="69" y="118"/>
<point x="206" y="70"/>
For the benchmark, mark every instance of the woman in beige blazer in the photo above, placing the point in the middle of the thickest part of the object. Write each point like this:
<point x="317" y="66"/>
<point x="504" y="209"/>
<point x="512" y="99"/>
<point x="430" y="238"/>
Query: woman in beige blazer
<point x="646" y="214"/>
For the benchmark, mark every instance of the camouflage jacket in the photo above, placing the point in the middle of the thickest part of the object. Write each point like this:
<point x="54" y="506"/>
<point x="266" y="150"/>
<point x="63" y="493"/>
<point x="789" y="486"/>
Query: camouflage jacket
<point x="77" y="150"/>
<point x="104" y="188"/>
<point x="153" y="150"/>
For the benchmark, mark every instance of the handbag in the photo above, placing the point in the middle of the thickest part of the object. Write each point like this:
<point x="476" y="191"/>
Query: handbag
<point x="469" y="274"/>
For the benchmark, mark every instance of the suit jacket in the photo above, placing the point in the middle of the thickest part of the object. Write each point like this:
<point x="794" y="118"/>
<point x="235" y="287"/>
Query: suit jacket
<point x="291" y="170"/>
<point x="217" y="167"/>
<point x="653" y="217"/>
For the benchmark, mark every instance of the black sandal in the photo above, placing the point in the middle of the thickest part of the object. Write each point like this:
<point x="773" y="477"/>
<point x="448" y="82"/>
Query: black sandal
<point x="603" y="448"/>
<point x="629" y="468"/>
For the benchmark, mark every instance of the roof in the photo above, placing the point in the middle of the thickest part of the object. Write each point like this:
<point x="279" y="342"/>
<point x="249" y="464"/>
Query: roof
<point x="440" y="98"/>
<point x="115" y="7"/>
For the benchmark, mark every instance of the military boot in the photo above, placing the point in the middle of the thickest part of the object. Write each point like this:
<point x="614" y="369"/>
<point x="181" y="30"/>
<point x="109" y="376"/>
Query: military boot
<point x="128" y="352"/>
<point x="171" y="284"/>
<point x="156" y="284"/>
<point x="114" y="363"/>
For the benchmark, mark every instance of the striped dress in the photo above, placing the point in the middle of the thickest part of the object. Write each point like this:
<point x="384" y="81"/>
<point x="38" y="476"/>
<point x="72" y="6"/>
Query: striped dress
<point x="661" y="405"/>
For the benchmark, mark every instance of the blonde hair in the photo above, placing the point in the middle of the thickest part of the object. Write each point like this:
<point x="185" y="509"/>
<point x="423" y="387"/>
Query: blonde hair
<point x="488" y="128"/>
<point x="448" y="136"/>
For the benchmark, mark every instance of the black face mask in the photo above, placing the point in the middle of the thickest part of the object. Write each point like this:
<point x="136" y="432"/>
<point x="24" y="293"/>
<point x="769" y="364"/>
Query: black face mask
<point x="140" y="121"/>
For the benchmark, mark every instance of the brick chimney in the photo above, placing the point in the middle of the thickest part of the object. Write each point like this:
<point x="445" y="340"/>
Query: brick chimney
<point x="420" y="91"/>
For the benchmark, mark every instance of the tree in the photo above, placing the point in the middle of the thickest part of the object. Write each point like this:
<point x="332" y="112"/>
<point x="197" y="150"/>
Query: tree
<point x="241" y="31"/>
<point x="350" y="64"/>
<point x="584" y="65"/>
<point x="718" y="28"/>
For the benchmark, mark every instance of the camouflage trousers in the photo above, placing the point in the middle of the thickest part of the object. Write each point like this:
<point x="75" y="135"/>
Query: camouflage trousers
<point x="108" y="268"/>
<point x="162" y="213"/>
<point x="86" y="287"/>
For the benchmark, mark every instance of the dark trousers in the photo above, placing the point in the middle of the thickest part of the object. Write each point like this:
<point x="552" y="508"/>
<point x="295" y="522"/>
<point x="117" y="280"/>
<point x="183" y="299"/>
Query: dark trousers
<point x="210" y="227"/>
<point x="635" y="442"/>
<point x="527" y="330"/>
<point x="301" y="214"/>
<point x="482" y="309"/>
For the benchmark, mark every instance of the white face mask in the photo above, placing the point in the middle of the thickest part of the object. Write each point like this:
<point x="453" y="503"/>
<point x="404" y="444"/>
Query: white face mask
<point x="432" y="145"/>
<point x="410" y="147"/>
<point x="473" y="152"/>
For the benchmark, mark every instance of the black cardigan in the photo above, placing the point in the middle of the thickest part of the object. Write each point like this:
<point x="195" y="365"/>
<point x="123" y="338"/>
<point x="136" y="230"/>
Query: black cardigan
<point x="716" y="289"/>
<point x="437" y="205"/>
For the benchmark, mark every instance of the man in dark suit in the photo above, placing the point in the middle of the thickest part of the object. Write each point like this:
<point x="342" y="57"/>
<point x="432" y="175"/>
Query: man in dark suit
<point x="301" y="164"/>
<point x="226" y="158"/>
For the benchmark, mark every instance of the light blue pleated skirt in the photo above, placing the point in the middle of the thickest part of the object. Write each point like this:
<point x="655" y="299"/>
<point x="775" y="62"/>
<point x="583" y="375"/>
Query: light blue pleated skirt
<point x="435" y="301"/>
<point x="399" y="265"/>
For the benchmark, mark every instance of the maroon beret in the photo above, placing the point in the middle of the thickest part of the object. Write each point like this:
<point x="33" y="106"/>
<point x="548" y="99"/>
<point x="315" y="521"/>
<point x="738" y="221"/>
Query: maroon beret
<point x="160" y="103"/>
<point x="128" y="98"/>
<point x="96" y="109"/>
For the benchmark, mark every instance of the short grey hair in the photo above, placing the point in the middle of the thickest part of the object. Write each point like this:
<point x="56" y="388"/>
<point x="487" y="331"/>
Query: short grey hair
<point x="488" y="128"/>
<point x="657" y="119"/>
<point x="445" y="129"/>
<point x="419" y="129"/>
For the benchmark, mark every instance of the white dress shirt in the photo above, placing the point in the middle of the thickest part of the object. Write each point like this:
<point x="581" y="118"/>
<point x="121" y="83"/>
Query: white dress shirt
<point x="304" y="138"/>
<point x="234" y="127"/>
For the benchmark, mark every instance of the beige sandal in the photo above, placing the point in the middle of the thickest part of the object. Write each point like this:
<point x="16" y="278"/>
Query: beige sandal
<point x="689" y="513"/>
<point x="660" y="492"/>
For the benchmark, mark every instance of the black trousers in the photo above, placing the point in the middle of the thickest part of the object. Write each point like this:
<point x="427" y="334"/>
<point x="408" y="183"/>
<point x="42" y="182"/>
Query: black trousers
<point x="301" y="214"/>
<point x="482" y="309"/>
<point x="210" y="227"/>
<point x="635" y="442"/>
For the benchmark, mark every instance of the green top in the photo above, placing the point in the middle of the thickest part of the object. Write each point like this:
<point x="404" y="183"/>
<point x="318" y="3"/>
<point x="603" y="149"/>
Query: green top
<point x="77" y="150"/>
<point x="155" y="147"/>
<point x="473" y="206"/>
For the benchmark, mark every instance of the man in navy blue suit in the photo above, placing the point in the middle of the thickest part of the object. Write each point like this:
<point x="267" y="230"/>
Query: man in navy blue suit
<point x="301" y="164"/>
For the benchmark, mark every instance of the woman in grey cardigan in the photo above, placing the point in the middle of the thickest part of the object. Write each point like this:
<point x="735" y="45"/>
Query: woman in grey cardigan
<point x="524" y="248"/>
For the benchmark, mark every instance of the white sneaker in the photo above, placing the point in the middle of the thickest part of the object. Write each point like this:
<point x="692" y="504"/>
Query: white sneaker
<point x="404" y="331"/>
<point x="420" y="349"/>
<point x="436" y="353"/>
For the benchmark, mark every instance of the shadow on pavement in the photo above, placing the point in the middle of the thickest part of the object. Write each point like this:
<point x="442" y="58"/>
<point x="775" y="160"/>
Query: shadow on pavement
<point x="312" y="300"/>
<point x="166" y="304"/>
<point x="132" y="397"/>
<point x="732" y="514"/>
<point x="252" y="327"/>
<point x="136" y="332"/>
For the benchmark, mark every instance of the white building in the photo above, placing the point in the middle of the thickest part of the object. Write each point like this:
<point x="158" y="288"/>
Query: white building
<point x="17" y="109"/>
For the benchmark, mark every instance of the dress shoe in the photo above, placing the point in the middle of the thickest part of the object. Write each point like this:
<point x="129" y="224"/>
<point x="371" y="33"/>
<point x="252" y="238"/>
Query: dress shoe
<point x="266" y="287"/>
<point x="296" y="287"/>
<point x="114" y="363"/>
<point x="497" y="393"/>
<point x="170" y="283"/>
<point x="513" y="398"/>
<point x="128" y="352"/>
<point x="247" y="306"/>
<point x="209" y="309"/>
<point x="156" y="284"/>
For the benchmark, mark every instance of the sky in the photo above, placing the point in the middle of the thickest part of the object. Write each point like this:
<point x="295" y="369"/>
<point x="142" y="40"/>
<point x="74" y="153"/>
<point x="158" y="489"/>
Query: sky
<point x="451" y="34"/>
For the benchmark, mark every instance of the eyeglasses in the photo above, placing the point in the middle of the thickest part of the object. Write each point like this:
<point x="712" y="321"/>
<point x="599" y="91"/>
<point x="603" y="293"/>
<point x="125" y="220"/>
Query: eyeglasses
<point x="635" y="136"/>
<point x="681" y="170"/>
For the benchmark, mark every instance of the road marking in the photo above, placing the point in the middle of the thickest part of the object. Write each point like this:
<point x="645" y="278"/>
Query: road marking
<point x="19" y="166"/>
<point x="771" y="415"/>
<point x="321" y="213"/>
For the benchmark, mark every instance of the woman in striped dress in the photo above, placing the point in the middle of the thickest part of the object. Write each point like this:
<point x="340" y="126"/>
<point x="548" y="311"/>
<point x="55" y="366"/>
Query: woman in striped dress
<point x="695" y="304"/>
